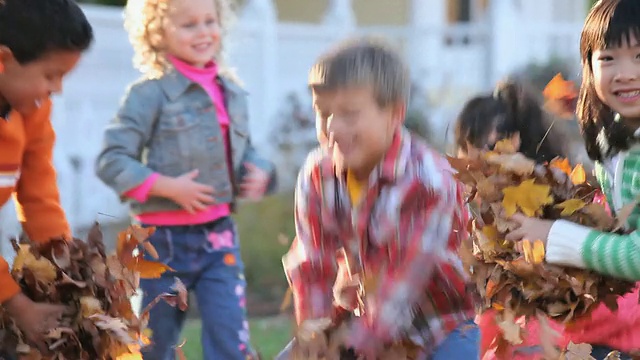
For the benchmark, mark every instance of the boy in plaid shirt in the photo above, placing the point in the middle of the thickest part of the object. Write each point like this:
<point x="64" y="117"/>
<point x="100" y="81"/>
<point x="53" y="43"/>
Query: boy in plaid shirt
<point x="389" y="204"/>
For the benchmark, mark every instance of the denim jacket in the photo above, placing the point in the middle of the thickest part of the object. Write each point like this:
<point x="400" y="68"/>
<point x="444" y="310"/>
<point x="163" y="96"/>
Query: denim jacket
<point x="169" y="125"/>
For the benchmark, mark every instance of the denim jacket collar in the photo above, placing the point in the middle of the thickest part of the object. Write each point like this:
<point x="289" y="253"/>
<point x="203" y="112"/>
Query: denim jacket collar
<point x="175" y="84"/>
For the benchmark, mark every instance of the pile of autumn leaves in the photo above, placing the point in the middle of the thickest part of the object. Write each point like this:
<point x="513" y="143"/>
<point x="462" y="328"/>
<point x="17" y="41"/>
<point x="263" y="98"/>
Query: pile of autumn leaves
<point x="97" y="287"/>
<point x="515" y="280"/>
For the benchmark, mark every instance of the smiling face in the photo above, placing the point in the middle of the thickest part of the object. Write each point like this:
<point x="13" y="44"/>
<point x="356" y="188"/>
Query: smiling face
<point x="192" y="31"/>
<point x="616" y="74"/>
<point x="25" y="86"/>
<point x="359" y="130"/>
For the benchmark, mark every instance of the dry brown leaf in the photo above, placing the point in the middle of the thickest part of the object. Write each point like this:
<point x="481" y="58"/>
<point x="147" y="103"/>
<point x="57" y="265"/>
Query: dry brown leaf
<point x="578" y="352"/>
<point x="623" y="215"/>
<point x="511" y="331"/>
<point x="516" y="277"/>
<point x="516" y="163"/>
<point x="548" y="338"/>
<point x="101" y="323"/>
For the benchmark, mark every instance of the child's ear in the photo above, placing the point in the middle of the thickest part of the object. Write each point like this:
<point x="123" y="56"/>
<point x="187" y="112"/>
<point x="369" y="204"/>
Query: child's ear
<point x="6" y="55"/>
<point x="399" y="112"/>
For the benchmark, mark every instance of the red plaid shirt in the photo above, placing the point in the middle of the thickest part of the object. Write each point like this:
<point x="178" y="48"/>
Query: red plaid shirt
<point x="404" y="233"/>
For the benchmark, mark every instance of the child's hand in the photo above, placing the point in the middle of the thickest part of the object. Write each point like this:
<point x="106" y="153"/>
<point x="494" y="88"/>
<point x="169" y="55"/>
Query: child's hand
<point x="530" y="229"/>
<point x="255" y="183"/>
<point x="191" y="195"/>
<point x="34" y="319"/>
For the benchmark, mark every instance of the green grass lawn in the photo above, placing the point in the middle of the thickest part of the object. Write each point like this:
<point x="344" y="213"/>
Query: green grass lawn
<point x="268" y="336"/>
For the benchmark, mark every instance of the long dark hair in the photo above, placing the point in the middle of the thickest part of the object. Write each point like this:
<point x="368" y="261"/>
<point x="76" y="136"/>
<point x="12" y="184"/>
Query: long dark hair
<point x="610" y="23"/>
<point x="509" y="110"/>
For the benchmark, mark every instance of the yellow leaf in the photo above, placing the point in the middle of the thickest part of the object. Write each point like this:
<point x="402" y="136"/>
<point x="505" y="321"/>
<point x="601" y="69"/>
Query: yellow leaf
<point x="505" y="146"/>
<point x="533" y="252"/>
<point x="570" y="206"/>
<point x="43" y="269"/>
<point x="578" y="175"/>
<point x="528" y="197"/>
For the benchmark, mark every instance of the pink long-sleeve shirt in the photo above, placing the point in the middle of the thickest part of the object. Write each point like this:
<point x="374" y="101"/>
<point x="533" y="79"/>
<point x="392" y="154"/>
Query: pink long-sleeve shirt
<point x="206" y="77"/>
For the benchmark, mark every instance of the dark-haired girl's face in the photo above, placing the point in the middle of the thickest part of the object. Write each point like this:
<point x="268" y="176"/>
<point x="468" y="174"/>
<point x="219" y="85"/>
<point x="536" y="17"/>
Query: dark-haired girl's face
<point x="616" y="73"/>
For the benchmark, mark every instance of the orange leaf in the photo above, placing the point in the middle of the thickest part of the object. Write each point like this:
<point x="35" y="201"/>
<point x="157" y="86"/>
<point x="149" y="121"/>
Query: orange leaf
<point x="562" y="164"/>
<point x="559" y="88"/>
<point x="148" y="269"/>
<point x="533" y="252"/>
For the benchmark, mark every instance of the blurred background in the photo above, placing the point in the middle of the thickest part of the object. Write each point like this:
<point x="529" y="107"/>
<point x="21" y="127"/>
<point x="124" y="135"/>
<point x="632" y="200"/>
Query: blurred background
<point x="455" y="48"/>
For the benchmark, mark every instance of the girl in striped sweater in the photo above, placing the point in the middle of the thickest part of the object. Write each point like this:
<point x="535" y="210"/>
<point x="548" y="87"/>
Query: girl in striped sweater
<point x="609" y="115"/>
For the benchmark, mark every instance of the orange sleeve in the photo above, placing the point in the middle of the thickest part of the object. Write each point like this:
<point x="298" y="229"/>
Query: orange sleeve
<point x="37" y="197"/>
<point x="8" y="286"/>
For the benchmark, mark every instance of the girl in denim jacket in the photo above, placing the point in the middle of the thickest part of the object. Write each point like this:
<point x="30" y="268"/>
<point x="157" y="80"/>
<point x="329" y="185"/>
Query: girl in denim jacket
<point x="179" y="151"/>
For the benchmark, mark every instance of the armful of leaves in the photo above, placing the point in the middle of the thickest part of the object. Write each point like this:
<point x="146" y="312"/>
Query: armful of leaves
<point x="515" y="280"/>
<point x="97" y="287"/>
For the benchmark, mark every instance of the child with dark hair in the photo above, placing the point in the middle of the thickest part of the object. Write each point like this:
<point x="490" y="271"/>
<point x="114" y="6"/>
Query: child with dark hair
<point x="40" y="42"/>
<point x="609" y="116"/>
<point x="509" y="113"/>
<point x="513" y="113"/>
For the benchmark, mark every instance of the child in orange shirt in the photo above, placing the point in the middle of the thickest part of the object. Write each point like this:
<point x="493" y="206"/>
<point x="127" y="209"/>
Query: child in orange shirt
<point x="40" y="42"/>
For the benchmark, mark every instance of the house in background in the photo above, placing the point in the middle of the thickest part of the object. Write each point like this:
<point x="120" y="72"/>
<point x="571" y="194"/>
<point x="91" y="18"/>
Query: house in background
<point x="455" y="48"/>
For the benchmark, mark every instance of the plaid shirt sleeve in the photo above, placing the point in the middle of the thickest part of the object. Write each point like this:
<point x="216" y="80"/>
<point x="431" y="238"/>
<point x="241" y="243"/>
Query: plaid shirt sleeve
<point x="310" y="264"/>
<point x="432" y="221"/>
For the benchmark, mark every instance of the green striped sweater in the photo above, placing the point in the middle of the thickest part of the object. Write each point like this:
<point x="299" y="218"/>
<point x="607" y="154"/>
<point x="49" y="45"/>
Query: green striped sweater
<point x="571" y="244"/>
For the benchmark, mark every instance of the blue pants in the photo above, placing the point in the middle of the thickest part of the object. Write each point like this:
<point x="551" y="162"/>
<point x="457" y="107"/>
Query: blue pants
<point x="207" y="260"/>
<point x="463" y="343"/>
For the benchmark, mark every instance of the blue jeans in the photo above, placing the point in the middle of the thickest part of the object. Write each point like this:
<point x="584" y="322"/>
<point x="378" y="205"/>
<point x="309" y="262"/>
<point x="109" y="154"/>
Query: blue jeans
<point x="463" y="343"/>
<point x="206" y="258"/>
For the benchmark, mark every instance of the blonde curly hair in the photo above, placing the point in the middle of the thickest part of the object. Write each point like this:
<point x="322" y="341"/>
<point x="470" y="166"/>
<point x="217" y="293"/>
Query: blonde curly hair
<point x="144" y="21"/>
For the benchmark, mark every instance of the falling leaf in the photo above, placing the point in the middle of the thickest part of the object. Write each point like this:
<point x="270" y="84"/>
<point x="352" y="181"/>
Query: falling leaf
<point x="559" y="88"/>
<point x="578" y="175"/>
<point x="561" y="164"/>
<point x="516" y="163"/>
<point x="511" y="331"/>
<point x="623" y="215"/>
<point x="560" y="97"/>
<point x="569" y="207"/>
<point x="506" y="146"/>
<point x="149" y="269"/>
<point x="528" y="197"/>
<point x="578" y="352"/>
<point x="548" y="338"/>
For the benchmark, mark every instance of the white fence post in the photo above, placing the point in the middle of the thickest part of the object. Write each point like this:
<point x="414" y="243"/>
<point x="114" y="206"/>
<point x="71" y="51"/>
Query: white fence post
<point x="258" y="35"/>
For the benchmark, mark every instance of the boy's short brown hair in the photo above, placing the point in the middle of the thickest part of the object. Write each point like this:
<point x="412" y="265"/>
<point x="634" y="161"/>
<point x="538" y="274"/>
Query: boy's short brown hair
<point x="365" y="61"/>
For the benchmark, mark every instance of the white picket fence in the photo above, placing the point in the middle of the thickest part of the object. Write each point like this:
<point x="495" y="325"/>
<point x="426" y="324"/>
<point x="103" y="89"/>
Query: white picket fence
<point x="450" y="62"/>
